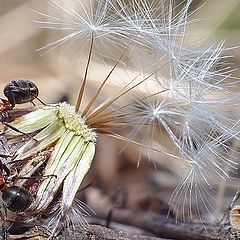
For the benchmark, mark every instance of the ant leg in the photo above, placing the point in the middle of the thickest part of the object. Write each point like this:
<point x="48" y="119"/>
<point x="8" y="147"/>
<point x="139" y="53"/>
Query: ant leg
<point x="41" y="101"/>
<point x="15" y="129"/>
<point x="5" y="168"/>
<point x="3" y="151"/>
<point x="37" y="177"/>
<point x="19" y="131"/>
<point x="33" y="103"/>
<point x="4" y="156"/>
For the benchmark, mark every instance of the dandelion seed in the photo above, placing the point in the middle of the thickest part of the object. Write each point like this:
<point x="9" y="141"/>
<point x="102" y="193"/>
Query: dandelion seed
<point x="80" y="21"/>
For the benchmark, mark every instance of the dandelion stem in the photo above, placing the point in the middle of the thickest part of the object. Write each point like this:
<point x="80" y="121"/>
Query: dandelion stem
<point x="80" y="95"/>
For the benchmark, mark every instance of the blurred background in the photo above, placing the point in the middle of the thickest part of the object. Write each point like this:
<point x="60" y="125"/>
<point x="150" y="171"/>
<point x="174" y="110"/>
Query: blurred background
<point x="114" y="175"/>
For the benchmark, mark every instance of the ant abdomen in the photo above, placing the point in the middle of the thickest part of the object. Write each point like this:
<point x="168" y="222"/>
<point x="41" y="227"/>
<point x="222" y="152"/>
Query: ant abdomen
<point x="20" y="91"/>
<point x="16" y="199"/>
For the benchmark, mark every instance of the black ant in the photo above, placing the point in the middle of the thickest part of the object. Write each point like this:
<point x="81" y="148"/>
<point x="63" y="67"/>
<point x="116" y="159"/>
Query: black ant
<point x="15" y="198"/>
<point x="17" y="91"/>
<point x="21" y="91"/>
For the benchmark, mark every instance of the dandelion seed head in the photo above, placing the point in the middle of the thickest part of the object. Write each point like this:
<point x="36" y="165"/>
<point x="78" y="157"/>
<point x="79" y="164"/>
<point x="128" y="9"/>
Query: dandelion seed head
<point x="74" y="122"/>
<point x="77" y="21"/>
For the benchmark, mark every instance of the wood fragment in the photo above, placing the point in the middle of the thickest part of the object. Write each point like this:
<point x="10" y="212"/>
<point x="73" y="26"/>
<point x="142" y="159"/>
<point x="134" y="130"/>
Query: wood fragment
<point x="169" y="228"/>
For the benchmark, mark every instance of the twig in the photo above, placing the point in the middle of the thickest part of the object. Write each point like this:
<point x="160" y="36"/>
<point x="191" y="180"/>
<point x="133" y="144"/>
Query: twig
<point x="168" y="228"/>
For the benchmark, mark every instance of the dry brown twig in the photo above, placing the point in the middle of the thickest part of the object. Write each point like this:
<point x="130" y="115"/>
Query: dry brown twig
<point x="168" y="228"/>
